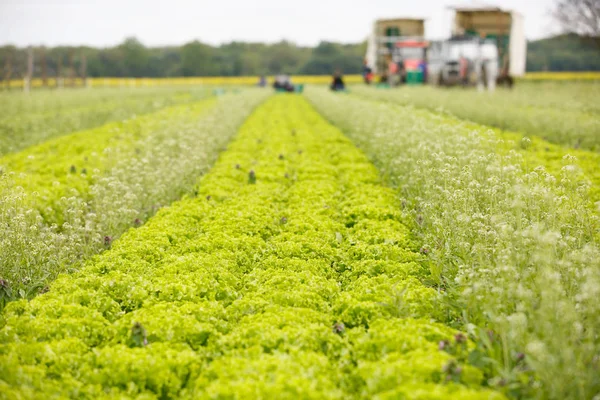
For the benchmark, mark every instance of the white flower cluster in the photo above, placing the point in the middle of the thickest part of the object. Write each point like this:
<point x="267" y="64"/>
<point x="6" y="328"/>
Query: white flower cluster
<point x="564" y="114"/>
<point x="41" y="115"/>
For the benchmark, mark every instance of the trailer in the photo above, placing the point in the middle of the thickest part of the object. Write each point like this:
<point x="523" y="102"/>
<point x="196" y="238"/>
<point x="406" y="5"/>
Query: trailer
<point x="504" y="27"/>
<point x="397" y="50"/>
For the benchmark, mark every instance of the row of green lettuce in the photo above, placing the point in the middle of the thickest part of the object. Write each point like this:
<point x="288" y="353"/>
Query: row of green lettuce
<point x="512" y="246"/>
<point x="29" y="119"/>
<point x="564" y="114"/>
<point x="287" y="275"/>
<point x="71" y="197"/>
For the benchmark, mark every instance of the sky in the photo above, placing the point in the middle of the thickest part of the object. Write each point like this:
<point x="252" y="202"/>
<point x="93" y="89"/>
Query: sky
<point x="105" y="23"/>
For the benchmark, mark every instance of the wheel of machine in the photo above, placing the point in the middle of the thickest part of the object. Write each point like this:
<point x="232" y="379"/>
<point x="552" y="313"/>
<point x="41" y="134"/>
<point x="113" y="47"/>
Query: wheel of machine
<point x="440" y="80"/>
<point x="506" y="81"/>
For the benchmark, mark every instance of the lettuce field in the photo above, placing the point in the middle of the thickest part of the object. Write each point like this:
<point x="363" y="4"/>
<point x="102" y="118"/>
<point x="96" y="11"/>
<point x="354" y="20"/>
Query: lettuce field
<point x="418" y="243"/>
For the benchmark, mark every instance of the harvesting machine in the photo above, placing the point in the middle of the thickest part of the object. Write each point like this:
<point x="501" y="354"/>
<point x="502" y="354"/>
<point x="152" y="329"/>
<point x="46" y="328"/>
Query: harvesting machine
<point x="397" y="50"/>
<point x="489" y="25"/>
<point x="463" y="60"/>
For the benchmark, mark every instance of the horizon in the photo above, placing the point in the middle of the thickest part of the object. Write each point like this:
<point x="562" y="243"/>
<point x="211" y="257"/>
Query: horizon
<point x="164" y="46"/>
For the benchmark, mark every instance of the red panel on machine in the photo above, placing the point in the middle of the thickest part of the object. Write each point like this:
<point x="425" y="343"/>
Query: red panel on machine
<point x="412" y="43"/>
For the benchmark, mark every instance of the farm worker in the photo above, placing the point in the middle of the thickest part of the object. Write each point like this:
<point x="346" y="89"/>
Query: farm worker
<point x="402" y="74"/>
<point x="288" y="83"/>
<point x="262" y="81"/>
<point x="338" y="82"/>
<point x="423" y="69"/>
<point x="464" y="69"/>
<point x="367" y="73"/>
<point x="279" y="82"/>
<point x="392" y="72"/>
<point x="282" y="82"/>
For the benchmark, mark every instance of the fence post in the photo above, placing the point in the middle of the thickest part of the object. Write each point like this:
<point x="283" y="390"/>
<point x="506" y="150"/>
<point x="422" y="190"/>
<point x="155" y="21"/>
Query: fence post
<point x="44" y="67"/>
<point x="8" y="70"/>
<point x="59" y="73"/>
<point x="84" y="71"/>
<point x="27" y="80"/>
<point x="72" y="71"/>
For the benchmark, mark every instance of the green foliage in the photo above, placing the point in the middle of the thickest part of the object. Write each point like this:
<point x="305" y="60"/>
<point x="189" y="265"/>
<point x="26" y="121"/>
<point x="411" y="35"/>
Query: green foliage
<point x="512" y="247"/>
<point x="535" y="150"/>
<point x="328" y="56"/>
<point x="135" y="56"/>
<point x="300" y="284"/>
<point x="562" y="113"/>
<point x="563" y="53"/>
<point x="196" y="60"/>
<point x="70" y="198"/>
<point x="132" y="59"/>
<point x="26" y="120"/>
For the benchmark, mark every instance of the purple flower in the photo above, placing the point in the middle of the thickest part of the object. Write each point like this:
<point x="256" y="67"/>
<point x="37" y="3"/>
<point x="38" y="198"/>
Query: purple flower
<point x="452" y="371"/>
<point x="460" y="338"/>
<point x="339" y="328"/>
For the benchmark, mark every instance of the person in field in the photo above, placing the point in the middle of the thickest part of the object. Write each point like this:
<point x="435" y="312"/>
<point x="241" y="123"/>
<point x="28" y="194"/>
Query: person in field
<point x="393" y="76"/>
<point x="367" y="73"/>
<point x="337" y="83"/>
<point x="283" y="82"/>
<point x="402" y="73"/>
<point x="463" y="65"/>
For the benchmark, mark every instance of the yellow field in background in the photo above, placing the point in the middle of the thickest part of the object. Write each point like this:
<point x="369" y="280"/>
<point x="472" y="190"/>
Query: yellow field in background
<point x="149" y="82"/>
<point x="562" y="76"/>
<point x="253" y="80"/>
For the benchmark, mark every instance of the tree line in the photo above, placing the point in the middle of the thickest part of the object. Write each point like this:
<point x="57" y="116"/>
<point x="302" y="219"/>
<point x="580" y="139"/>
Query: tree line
<point x="132" y="59"/>
<point x="569" y="52"/>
